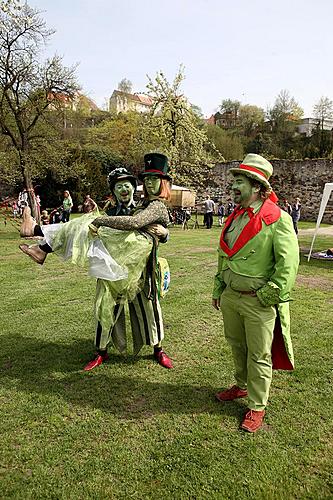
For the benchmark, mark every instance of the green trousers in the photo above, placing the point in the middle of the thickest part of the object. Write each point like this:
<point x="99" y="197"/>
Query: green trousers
<point x="146" y="324"/>
<point x="248" y="328"/>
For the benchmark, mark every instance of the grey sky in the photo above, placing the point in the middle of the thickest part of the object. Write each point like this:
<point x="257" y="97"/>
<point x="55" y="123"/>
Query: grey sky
<point x="242" y="49"/>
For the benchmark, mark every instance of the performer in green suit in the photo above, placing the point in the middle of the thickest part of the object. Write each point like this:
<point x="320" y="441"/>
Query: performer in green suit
<point x="257" y="265"/>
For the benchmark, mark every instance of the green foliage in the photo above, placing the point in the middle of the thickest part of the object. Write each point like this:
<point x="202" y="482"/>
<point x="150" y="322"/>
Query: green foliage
<point x="126" y="136"/>
<point x="227" y="143"/>
<point x="285" y="109"/>
<point x="230" y="106"/>
<point x="28" y="87"/>
<point x="250" y="119"/>
<point x="176" y="128"/>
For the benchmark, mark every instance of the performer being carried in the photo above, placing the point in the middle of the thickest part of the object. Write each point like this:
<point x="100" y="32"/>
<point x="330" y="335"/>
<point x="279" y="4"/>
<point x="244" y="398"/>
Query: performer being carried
<point x="133" y="240"/>
<point x="257" y="266"/>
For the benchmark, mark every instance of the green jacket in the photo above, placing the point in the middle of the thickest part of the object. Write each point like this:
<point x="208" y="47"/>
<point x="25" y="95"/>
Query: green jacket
<point x="267" y="248"/>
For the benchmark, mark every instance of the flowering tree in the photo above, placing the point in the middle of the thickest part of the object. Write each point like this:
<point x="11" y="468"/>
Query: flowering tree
<point x="28" y="87"/>
<point x="178" y="130"/>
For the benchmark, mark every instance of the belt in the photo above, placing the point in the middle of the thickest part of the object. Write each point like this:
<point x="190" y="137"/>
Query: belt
<point x="253" y="293"/>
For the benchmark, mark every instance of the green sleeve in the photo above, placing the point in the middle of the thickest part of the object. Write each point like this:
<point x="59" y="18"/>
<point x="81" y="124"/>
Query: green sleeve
<point x="219" y="284"/>
<point x="286" y="254"/>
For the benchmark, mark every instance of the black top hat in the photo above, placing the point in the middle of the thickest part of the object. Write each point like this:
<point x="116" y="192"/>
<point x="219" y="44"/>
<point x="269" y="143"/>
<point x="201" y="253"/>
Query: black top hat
<point x="121" y="174"/>
<point x="155" y="164"/>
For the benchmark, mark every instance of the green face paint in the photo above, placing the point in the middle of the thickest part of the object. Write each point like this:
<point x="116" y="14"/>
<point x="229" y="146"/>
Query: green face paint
<point x="152" y="184"/>
<point x="243" y="191"/>
<point x="123" y="191"/>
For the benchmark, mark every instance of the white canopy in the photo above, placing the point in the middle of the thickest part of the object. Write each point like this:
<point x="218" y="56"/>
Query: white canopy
<point x="326" y="196"/>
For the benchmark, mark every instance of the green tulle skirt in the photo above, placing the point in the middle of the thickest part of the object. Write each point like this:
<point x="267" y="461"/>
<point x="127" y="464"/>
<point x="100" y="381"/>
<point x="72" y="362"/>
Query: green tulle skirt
<point x="118" y="258"/>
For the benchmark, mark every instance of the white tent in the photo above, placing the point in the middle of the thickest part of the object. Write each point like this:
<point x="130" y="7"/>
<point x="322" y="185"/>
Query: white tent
<point x="326" y="196"/>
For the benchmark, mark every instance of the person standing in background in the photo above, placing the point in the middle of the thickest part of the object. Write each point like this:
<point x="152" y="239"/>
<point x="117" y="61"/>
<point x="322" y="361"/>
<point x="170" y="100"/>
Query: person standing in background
<point x="296" y="213"/>
<point x="67" y="205"/>
<point x="89" y="205"/>
<point x="220" y="213"/>
<point x="15" y="209"/>
<point x="230" y="207"/>
<point x="209" y="207"/>
<point x="286" y="206"/>
<point x="44" y="218"/>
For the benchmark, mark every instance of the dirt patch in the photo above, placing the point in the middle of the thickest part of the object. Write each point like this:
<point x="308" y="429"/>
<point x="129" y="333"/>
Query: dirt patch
<point x="323" y="231"/>
<point x="201" y="250"/>
<point x="315" y="282"/>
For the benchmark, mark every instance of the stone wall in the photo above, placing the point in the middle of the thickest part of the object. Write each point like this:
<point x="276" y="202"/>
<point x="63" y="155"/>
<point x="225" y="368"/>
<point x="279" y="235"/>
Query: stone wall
<point x="292" y="178"/>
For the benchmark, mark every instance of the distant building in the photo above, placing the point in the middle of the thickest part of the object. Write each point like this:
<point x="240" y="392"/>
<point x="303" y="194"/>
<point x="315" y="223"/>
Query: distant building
<point x="121" y="102"/>
<point x="307" y="126"/>
<point x="228" y="119"/>
<point x="78" y="102"/>
<point x="210" y="120"/>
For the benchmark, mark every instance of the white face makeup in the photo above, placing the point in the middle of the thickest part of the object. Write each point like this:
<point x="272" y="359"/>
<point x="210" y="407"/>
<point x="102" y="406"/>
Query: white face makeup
<point x="124" y="191"/>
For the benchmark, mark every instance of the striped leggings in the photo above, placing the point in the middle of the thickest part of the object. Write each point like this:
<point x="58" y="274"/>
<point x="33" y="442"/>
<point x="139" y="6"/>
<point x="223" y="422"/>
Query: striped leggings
<point x="146" y="323"/>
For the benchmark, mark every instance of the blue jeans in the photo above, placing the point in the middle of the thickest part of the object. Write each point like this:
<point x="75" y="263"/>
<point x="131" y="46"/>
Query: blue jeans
<point x="65" y="215"/>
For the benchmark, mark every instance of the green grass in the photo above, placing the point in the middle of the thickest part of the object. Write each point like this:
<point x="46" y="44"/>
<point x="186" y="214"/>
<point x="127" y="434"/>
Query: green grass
<point x="131" y="429"/>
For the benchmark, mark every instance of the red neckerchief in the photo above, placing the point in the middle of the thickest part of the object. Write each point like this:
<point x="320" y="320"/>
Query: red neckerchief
<point x="269" y="213"/>
<point x="241" y="210"/>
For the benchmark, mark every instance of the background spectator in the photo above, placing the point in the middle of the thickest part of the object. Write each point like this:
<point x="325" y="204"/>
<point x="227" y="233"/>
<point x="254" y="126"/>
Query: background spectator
<point x="209" y="208"/>
<point x="296" y="213"/>
<point x="89" y="205"/>
<point x="44" y="218"/>
<point x="220" y="213"/>
<point x="230" y="207"/>
<point x="67" y="205"/>
<point x="286" y="207"/>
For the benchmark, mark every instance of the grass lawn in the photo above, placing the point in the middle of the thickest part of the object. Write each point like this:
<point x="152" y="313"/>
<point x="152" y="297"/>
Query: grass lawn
<point x="131" y="429"/>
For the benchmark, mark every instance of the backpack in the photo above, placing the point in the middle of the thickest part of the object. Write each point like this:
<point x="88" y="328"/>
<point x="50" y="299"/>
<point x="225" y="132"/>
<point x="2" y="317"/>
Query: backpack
<point x="163" y="276"/>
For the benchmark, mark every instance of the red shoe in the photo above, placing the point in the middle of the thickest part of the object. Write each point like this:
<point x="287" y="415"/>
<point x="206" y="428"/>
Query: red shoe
<point x="253" y="420"/>
<point x="98" y="360"/>
<point x="230" y="394"/>
<point x="163" y="359"/>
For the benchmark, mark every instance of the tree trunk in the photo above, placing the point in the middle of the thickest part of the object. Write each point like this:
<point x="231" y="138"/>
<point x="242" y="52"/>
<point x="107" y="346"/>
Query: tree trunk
<point x="30" y="190"/>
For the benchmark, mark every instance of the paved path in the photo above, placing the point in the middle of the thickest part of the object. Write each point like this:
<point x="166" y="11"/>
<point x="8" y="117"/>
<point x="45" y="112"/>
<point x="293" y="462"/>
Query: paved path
<point x="324" y="231"/>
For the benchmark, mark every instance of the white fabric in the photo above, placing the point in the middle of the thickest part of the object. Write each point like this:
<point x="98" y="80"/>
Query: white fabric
<point x="101" y="264"/>
<point x="326" y="196"/>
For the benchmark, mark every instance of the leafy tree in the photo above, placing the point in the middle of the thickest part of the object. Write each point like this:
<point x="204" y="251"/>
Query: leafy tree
<point x="174" y="127"/>
<point x="285" y="109"/>
<point x="229" y="144"/>
<point x="323" y="110"/>
<point x="197" y="111"/>
<point x="125" y="85"/>
<point x="230" y="110"/>
<point x="125" y="135"/>
<point x="284" y="117"/>
<point x="250" y="119"/>
<point x="28" y="87"/>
